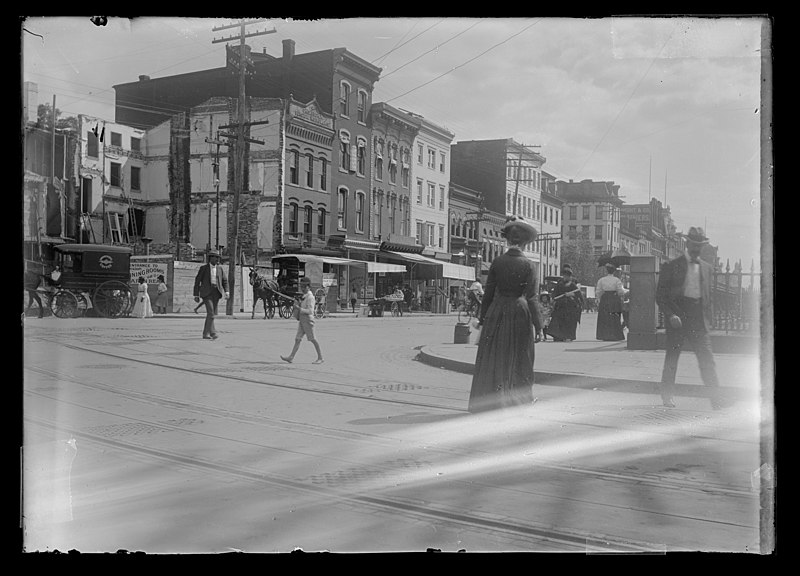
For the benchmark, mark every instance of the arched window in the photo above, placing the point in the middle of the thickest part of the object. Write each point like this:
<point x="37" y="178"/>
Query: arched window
<point x="359" y="211"/>
<point x="362" y="106"/>
<point x="321" y="222"/>
<point x="344" y="99"/>
<point x="293" y="209"/>
<point x="307" y="212"/>
<point x="342" y="209"/>
<point x="294" y="166"/>
<point x="310" y="170"/>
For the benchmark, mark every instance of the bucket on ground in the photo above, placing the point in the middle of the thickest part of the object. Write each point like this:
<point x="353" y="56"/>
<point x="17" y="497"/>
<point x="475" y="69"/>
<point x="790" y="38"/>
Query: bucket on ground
<point x="461" y="333"/>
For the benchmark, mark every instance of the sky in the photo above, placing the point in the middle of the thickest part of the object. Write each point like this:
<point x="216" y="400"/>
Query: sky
<point x="665" y="107"/>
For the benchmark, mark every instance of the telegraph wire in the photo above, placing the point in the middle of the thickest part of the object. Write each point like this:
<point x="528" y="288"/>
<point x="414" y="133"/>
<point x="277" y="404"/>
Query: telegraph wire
<point x="435" y="48"/>
<point x="407" y="41"/>
<point x="454" y="68"/>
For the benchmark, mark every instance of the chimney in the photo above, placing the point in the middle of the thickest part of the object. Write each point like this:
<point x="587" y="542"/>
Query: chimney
<point x="30" y="104"/>
<point x="143" y="78"/>
<point x="288" y="49"/>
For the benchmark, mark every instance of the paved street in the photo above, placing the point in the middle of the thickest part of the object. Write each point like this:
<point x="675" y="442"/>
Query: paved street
<point x="140" y="435"/>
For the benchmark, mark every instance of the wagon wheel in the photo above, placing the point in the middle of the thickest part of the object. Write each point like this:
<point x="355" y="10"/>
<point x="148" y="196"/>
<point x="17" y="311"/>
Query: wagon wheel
<point x="113" y="299"/>
<point x="286" y="309"/>
<point x="319" y="307"/>
<point x="271" y="309"/>
<point x="65" y="304"/>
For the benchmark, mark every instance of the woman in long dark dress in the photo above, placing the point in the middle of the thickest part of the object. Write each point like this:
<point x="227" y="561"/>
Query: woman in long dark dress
<point x="609" y="293"/>
<point x="567" y="307"/>
<point x="510" y="324"/>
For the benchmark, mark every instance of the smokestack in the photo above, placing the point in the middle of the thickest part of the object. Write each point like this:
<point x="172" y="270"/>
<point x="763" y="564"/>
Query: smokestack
<point x="288" y="49"/>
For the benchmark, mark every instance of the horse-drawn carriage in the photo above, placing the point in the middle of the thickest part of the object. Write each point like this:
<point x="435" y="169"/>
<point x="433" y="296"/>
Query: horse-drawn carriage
<point x="91" y="277"/>
<point x="280" y="298"/>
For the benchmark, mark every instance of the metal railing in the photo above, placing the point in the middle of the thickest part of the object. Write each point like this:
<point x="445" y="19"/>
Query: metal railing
<point x="735" y="302"/>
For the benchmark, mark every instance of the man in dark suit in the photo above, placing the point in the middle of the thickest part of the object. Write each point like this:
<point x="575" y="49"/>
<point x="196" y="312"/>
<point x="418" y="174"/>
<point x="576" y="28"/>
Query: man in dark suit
<point x="210" y="284"/>
<point x="684" y="296"/>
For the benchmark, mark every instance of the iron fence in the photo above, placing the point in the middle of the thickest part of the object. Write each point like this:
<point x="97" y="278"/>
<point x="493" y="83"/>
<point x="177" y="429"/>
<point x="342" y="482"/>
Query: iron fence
<point x="735" y="302"/>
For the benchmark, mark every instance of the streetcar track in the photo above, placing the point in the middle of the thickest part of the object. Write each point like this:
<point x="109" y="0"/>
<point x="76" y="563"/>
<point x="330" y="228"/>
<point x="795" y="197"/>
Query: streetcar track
<point x="574" y="540"/>
<point x="659" y="481"/>
<point x="290" y="375"/>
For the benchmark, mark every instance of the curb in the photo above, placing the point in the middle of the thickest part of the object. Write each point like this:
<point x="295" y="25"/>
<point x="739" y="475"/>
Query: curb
<point x="582" y="381"/>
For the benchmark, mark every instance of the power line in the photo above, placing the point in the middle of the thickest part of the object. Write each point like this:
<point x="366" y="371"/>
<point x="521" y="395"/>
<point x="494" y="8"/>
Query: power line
<point x="435" y="48"/>
<point x="407" y="41"/>
<point x="454" y="68"/>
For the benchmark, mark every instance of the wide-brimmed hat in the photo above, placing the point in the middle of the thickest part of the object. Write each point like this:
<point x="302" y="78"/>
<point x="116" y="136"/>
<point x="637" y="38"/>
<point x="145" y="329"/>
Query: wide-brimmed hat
<point x="305" y="280"/>
<point x="213" y="253"/>
<point x="696" y="236"/>
<point x="520" y="223"/>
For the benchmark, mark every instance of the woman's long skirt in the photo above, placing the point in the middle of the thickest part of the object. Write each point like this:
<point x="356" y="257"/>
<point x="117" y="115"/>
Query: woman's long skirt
<point x="504" y="364"/>
<point x="563" y="322"/>
<point x="609" y="318"/>
<point x="142" y="307"/>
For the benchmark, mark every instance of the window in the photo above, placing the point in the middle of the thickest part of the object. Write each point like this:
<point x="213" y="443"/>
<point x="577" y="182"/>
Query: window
<point x="294" y="166"/>
<point x="378" y="168"/>
<point x="406" y="175"/>
<point x="392" y="210"/>
<point x="557" y="217"/>
<point x="393" y="164"/>
<point x="359" y="211"/>
<point x="321" y="222"/>
<point x="441" y="197"/>
<point x="598" y="232"/>
<point x="344" y="155"/>
<point x="430" y="234"/>
<point x="419" y="154"/>
<point x="116" y="226"/>
<point x="419" y="191"/>
<point x="344" y="98"/>
<point x="342" y="209"/>
<point x="310" y="170"/>
<point x="431" y="158"/>
<point x="135" y="222"/>
<point x="419" y="233"/>
<point x="293" y="208"/>
<point x="136" y="144"/>
<point x="323" y="174"/>
<point x="431" y="194"/>
<point x="116" y="139"/>
<point x="307" y="222"/>
<point x="86" y="195"/>
<point x="362" y="158"/>
<point x="442" y="157"/>
<point x="136" y="174"/>
<point x="585" y="230"/>
<point x="362" y="106"/>
<point x="598" y="212"/>
<point x="405" y="221"/>
<point x="116" y="174"/>
<point x="585" y="212"/>
<point x="91" y="144"/>
<point x="573" y="232"/>
<point x="441" y="236"/>
<point x="573" y="212"/>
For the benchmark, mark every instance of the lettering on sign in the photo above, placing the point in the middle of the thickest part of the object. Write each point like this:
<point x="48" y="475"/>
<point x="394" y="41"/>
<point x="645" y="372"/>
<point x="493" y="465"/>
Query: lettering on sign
<point x="150" y="271"/>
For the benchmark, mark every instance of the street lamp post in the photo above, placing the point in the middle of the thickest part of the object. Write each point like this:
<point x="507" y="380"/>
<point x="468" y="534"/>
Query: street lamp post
<point x="146" y="241"/>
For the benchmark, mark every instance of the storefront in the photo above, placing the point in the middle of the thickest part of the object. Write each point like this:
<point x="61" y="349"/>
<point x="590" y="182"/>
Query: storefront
<point x="430" y="279"/>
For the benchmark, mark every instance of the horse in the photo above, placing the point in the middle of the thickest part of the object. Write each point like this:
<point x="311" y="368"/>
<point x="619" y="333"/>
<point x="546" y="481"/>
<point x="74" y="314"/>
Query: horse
<point x="263" y="289"/>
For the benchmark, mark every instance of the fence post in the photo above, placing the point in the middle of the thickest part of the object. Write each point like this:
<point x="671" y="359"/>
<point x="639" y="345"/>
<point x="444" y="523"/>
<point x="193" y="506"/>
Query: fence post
<point x="643" y="310"/>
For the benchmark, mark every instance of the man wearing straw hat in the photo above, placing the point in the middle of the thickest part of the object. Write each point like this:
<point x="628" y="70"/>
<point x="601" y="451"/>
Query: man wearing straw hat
<point x="684" y="296"/>
<point x="210" y="285"/>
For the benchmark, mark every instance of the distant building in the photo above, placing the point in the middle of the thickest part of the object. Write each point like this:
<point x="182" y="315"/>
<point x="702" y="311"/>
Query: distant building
<point x="591" y="208"/>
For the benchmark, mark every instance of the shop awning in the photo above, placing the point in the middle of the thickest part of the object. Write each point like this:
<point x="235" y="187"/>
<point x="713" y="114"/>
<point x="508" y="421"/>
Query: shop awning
<point x="457" y="271"/>
<point x="315" y="258"/>
<point x="384" y="267"/>
<point x="447" y="269"/>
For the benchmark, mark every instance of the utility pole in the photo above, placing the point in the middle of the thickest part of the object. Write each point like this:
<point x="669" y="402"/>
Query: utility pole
<point x="240" y="144"/>
<point x="218" y="143"/>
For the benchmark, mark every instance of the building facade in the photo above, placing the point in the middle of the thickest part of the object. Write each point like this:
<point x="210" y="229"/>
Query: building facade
<point x="430" y="176"/>
<point x="592" y="209"/>
<point x="393" y="134"/>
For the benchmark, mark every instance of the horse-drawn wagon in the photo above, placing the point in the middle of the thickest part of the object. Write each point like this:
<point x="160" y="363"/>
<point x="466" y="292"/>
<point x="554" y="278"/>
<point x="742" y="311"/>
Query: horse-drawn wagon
<point x="91" y="277"/>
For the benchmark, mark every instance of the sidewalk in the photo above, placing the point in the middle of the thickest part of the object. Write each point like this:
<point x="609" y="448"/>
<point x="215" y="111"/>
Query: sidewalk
<point x="588" y="363"/>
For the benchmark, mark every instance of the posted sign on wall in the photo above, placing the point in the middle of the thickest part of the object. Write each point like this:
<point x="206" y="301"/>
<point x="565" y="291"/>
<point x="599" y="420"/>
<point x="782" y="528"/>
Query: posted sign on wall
<point x="150" y="271"/>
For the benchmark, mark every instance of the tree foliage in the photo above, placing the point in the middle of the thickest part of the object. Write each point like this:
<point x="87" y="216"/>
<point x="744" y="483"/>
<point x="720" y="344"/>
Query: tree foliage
<point x="578" y="252"/>
<point x="44" y="114"/>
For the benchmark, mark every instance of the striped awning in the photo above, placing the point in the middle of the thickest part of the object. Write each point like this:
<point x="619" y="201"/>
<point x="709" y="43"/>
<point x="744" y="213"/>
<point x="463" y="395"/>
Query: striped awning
<point x="384" y="267"/>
